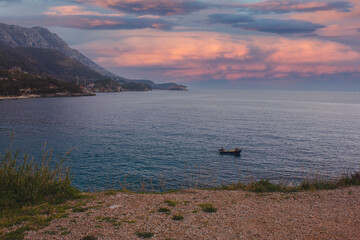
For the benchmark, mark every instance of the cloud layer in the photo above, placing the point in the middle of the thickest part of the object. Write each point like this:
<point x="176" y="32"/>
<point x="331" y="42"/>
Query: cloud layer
<point x="266" y="41"/>
<point x="265" y="25"/>
<point x="152" y="7"/>
<point x="286" y="6"/>
<point x="201" y="55"/>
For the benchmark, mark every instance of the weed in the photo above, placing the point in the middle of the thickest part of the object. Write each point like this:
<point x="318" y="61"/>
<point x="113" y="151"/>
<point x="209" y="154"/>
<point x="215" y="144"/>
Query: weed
<point x="129" y="221"/>
<point x="116" y="224"/>
<point x="79" y="209"/>
<point x="208" y="208"/>
<point x="144" y="234"/>
<point x="164" y="210"/>
<point x="177" y="218"/>
<point x="111" y="192"/>
<point x="90" y="237"/>
<point x="263" y="186"/>
<point x="171" y="203"/>
<point x="108" y="219"/>
<point x="24" y="182"/>
<point x="67" y="232"/>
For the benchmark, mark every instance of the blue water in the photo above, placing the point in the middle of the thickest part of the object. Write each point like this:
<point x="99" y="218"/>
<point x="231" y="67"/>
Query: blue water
<point x="171" y="139"/>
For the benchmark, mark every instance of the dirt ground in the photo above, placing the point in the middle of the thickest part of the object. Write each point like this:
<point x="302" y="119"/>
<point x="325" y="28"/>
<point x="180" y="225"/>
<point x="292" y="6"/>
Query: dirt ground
<point x="333" y="214"/>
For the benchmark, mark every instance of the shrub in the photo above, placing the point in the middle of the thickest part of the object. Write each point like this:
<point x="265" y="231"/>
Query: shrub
<point x="24" y="182"/>
<point x="144" y="234"/>
<point x="177" y="217"/>
<point x="164" y="210"/>
<point x="208" y="208"/>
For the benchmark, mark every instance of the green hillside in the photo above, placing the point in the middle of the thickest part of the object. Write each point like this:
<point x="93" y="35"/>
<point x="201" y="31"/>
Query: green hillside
<point x="46" y="62"/>
<point x="18" y="83"/>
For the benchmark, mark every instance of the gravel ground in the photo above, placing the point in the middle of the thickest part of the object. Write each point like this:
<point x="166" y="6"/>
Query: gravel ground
<point x="333" y="214"/>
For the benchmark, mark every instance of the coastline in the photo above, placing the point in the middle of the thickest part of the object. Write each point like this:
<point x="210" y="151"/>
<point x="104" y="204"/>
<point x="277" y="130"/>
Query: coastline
<point x="66" y="94"/>
<point x="19" y="97"/>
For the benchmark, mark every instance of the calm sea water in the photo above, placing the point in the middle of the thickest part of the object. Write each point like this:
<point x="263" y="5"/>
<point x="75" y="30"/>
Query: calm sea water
<point x="173" y="137"/>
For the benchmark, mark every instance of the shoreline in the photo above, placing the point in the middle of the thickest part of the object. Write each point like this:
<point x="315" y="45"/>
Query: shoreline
<point x="19" y="97"/>
<point x="86" y="94"/>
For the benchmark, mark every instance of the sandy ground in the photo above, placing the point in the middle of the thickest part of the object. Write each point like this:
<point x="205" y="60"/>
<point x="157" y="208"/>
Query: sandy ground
<point x="333" y="214"/>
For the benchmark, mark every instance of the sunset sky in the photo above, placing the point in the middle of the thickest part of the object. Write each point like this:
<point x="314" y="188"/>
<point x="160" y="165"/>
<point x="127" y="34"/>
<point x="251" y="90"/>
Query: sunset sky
<point x="280" y="44"/>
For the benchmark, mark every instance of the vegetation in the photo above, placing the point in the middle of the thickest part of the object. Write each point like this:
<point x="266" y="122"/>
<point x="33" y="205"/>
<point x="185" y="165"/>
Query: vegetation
<point x="164" y="210"/>
<point x="17" y="83"/>
<point x="144" y="234"/>
<point x="262" y="186"/>
<point x="178" y="217"/>
<point x="90" y="237"/>
<point x="107" y="85"/>
<point x="47" y="62"/>
<point x="131" y="86"/>
<point x="32" y="193"/>
<point x="208" y="208"/>
<point x="171" y="203"/>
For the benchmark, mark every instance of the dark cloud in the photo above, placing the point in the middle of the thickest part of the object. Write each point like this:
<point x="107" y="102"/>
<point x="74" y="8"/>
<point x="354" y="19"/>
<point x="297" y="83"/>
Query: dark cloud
<point x="265" y="25"/>
<point x="151" y="7"/>
<point x="280" y="26"/>
<point x="229" y="18"/>
<point x="97" y="23"/>
<point x="286" y="6"/>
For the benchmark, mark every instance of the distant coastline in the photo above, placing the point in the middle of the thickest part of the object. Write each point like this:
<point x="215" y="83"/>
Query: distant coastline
<point x="66" y="94"/>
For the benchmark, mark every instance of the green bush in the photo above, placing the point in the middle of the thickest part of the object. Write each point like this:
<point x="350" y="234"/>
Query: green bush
<point x="264" y="186"/>
<point x="24" y="182"/>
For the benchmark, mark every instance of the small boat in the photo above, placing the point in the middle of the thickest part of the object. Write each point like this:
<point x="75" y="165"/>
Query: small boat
<point x="236" y="151"/>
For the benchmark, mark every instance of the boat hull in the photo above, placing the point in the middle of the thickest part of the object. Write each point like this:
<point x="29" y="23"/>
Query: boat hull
<point x="230" y="152"/>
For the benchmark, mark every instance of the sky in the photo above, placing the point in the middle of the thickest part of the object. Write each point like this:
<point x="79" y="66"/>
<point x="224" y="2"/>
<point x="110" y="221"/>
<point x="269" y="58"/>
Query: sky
<point x="260" y="44"/>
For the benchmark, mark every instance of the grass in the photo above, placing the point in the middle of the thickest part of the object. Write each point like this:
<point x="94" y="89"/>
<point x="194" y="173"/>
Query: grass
<point x="90" y="237"/>
<point x="208" y="208"/>
<point x="171" y="203"/>
<point x="24" y="182"/>
<point x="32" y="194"/>
<point x="164" y="210"/>
<point x="178" y="217"/>
<point x="144" y="234"/>
<point x="265" y="186"/>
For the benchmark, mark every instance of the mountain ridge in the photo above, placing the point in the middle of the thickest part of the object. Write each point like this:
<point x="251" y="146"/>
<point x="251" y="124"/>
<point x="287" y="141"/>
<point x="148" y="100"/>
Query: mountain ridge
<point x="38" y="37"/>
<point x="39" y="51"/>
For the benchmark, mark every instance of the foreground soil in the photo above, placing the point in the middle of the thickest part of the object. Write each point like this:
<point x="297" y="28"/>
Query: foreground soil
<point x="333" y="214"/>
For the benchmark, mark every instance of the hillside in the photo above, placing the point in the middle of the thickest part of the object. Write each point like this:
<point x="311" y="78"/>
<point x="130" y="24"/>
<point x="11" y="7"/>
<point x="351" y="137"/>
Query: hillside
<point x="38" y="37"/>
<point x="47" y="62"/>
<point x="38" y="51"/>
<point x="18" y="83"/>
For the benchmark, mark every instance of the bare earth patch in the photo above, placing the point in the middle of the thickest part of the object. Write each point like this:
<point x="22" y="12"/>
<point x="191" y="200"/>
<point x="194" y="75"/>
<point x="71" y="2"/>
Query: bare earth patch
<point x="333" y="214"/>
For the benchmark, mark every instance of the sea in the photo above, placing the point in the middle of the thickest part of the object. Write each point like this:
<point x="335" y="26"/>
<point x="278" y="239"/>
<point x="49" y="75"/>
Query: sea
<point x="163" y="140"/>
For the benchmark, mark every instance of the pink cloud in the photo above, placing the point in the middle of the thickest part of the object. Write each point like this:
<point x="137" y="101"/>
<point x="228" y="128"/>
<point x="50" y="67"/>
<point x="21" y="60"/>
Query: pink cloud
<point x="202" y="55"/>
<point x="75" y="11"/>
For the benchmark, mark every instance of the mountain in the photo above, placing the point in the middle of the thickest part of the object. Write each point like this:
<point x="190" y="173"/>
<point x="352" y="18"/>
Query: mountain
<point x="38" y="37"/>
<point x="46" y="62"/>
<point x="38" y="51"/>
